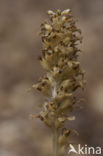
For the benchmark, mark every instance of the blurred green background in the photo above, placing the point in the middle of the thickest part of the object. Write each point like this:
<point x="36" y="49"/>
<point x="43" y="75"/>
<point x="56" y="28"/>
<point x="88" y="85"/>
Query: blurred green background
<point x="20" y="46"/>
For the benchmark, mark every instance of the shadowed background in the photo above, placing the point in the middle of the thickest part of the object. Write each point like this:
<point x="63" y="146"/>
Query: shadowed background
<point x="20" y="46"/>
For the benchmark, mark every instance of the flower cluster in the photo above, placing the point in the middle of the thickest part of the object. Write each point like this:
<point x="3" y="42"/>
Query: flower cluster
<point x="64" y="75"/>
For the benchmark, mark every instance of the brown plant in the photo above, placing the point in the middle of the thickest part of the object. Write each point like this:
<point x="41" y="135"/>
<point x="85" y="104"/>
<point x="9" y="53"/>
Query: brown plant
<point x="64" y="75"/>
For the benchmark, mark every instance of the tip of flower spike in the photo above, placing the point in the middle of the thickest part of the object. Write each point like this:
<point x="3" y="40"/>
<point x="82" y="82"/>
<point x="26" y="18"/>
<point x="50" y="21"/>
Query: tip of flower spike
<point x="50" y="12"/>
<point x="65" y="12"/>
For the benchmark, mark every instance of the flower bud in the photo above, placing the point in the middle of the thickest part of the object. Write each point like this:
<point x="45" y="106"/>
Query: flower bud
<point x="50" y="12"/>
<point x="48" y="27"/>
<point x="63" y="19"/>
<point x="64" y="137"/>
<point x="65" y="12"/>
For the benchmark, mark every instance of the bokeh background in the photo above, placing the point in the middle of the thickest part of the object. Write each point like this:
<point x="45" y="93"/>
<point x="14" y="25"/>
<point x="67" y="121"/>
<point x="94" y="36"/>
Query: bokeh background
<point x="20" y="46"/>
